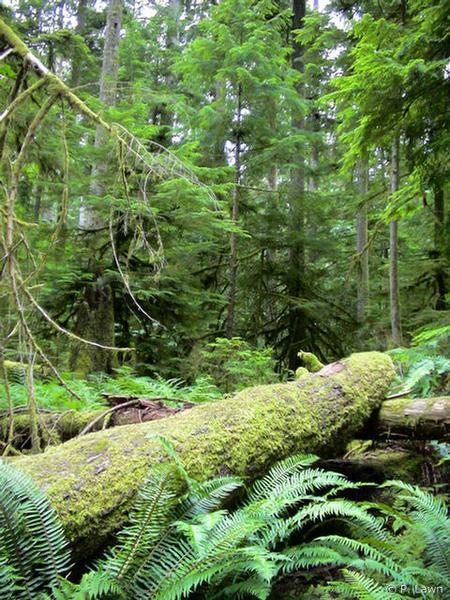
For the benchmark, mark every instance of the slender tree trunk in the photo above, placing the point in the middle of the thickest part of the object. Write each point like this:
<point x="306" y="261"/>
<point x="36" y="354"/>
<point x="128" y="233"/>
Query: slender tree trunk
<point x="37" y="204"/>
<point x="80" y="29"/>
<point x="441" y="250"/>
<point x="95" y="318"/>
<point x="271" y="255"/>
<point x="9" y="437"/>
<point x="90" y="216"/>
<point x="361" y="246"/>
<point x="166" y="114"/>
<point x="393" y="251"/>
<point x="32" y="405"/>
<point x="233" y="264"/>
<point x="296" y="274"/>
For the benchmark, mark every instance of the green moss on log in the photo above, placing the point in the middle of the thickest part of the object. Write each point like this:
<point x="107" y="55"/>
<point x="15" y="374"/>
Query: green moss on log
<point x="91" y="480"/>
<point x="53" y="427"/>
<point x="301" y="372"/>
<point x="310" y="361"/>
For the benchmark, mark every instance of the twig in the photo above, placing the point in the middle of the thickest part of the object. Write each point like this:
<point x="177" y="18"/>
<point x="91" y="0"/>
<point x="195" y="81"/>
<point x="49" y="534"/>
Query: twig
<point x="6" y="53"/>
<point x="398" y="395"/>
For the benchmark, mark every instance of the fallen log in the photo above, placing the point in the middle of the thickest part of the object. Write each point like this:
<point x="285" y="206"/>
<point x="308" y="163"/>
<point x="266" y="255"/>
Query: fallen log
<point x="416" y="418"/>
<point x="54" y="427"/>
<point x="57" y="427"/>
<point x="91" y="480"/>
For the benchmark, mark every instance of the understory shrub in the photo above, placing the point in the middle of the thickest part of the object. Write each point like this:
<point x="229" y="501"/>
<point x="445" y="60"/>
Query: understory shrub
<point x="233" y="364"/>
<point x="52" y="396"/>
<point x="424" y="368"/>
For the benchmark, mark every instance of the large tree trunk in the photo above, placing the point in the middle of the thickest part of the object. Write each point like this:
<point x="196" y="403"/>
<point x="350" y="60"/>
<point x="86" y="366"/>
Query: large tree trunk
<point x="91" y="480"/>
<point x="410" y="418"/>
<point x="95" y="318"/>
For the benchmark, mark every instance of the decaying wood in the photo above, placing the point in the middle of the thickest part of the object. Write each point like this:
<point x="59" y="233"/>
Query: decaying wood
<point x="144" y="409"/>
<point x="416" y="418"/>
<point x="56" y="427"/>
<point x="91" y="480"/>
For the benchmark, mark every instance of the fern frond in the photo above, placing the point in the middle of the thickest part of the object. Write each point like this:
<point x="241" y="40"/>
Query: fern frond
<point x="173" y="455"/>
<point x="180" y="568"/>
<point x="311" y="556"/>
<point x="357" y="585"/>
<point x="430" y="520"/>
<point x="8" y="579"/>
<point x="149" y="518"/>
<point x="208" y="496"/>
<point x="33" y="540"/>
<point x="422" y="501"/>
<point x="278" y="475"/>
<point x="251" y="587"/>
<point x="345" y="510"/>
<point x="352" y="547"/>
<point x="98" y="584"/>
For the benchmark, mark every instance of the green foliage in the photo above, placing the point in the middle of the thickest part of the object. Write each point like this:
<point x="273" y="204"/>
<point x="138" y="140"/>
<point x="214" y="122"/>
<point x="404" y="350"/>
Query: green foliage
<point x="365" y="76"/>
<point x="233" y="364"/>
<point x="411" y="557"/>
<point x="52" y="396"/>
<point x="33" y="550"/>
<point x="126" y="382"/>
<point x="184" y="536"/>
<point x="424" y="367"/>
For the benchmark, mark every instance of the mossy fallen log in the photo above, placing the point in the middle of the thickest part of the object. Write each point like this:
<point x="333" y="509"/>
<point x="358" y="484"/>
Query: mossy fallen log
<point x="91" y="480"/>
<point x="416" y="418"/>
<point x="54" y="427"/>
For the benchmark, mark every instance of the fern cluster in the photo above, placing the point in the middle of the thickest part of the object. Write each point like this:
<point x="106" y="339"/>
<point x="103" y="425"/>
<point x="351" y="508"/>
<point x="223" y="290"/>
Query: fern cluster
<point x="33" y="550"/>
<point x="225" y="541"/>
<point x="51" y="395"/>
<point x="424" y="368"/>
<point x="411" y="555"/>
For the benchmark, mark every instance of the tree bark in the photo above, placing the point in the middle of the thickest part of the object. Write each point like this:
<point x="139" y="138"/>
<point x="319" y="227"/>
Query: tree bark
<point x="393" y="251"/>
<point x="296" y="271"/>
<point x="361" y="246"/>
<point x="90" y="216"/>
<point x="80" y="30"/>
<point x="92" y="480"/>
<point x="416" y="418"/>
<point x="441" y="249"/>
<point x="96" y="322"/>
<point x="95" y="317"/>
<point x="233" y="260"/>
